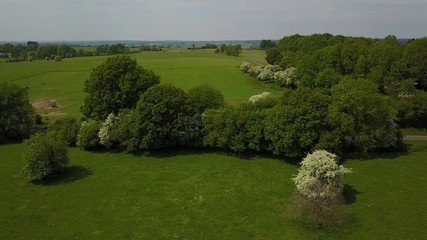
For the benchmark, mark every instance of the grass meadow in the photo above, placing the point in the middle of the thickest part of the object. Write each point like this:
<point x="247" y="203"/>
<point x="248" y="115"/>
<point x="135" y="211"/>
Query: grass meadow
<point x="64" y="81"/>
<point x="190" y="194"/>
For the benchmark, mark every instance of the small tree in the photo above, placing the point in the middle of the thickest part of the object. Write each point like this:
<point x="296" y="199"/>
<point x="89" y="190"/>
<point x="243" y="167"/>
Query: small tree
<point x="44" y="155"/>
<point x="320" y="186"/>
<point x="88" y="135"/>
<point x="66" y="128"/>
<point x="105" y="131"/>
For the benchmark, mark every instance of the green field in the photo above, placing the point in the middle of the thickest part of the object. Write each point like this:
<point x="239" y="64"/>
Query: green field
<point x="196" y="195"/>
<point x="188" y="194"/>
<point x="64" y="81"/>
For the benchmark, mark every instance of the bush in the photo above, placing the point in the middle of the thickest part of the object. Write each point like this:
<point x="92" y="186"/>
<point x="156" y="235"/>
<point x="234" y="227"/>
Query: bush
<point x="107" y="127"/>
<point x="44" y="155"/>
<point x="66" y="129"/>
<point x="88" y="135"/>
<point x="245" y="67"/>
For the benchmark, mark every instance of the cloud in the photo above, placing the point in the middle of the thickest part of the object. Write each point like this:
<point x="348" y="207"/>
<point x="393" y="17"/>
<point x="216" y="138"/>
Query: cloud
<point x="206" y="19"/>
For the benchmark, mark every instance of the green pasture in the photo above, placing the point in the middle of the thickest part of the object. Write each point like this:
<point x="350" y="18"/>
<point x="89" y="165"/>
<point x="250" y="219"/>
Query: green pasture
<point x="64" y="81"/>
<point x="182" y="194"/>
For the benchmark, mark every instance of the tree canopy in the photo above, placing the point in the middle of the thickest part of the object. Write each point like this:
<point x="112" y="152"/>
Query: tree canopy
<point x="16" y="115"/>
<point x="116" y="84"/>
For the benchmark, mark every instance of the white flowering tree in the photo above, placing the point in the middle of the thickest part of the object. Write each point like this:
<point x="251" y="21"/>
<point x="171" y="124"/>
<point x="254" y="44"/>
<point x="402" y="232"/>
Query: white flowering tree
<point x="256" y="70"/>
<point x="245" y="67"/>
<point x="286" y="78"/>
<point x="256" y="98"/>
<point x="320" y="176"/>
<point x="104" y="131"/>
<point x="320" y="187"/>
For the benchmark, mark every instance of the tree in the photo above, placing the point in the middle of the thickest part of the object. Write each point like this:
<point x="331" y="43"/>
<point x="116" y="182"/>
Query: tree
<point x="360" y="118"/>
<point x="164" y="118"/>
<point x="65" y="128"/>
<point x="273" y="56"/>
<point x="66" y="51"/>
<point x="116" y="84"/>
<point x="319" y="183"/>
<point x="46" y="51"/>
<point x="238" y="128"/>
<point x="205" y="97"/>
<point x="44" y="155"/>
<point x="88" y="135"/>
<point x="17" y="51"/>
<point x="266" y="44"/>
<point x="32" y="46"/>
<point x="415" y="58"/>
<point x="295" y="125"/>
<point x="16" y="115"/>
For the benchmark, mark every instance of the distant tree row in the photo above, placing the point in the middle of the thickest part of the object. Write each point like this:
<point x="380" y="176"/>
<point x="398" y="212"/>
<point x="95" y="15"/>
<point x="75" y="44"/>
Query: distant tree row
<point x="33" y="51"/>
<point x="230" y="49"/>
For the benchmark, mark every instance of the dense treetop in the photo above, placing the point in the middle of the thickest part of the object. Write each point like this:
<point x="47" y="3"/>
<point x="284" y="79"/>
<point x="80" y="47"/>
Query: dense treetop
<point x="116" y="84"/>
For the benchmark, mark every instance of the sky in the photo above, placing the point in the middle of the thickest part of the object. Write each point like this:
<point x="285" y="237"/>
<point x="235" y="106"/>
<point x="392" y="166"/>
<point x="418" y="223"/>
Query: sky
<point x="67" y="20"/>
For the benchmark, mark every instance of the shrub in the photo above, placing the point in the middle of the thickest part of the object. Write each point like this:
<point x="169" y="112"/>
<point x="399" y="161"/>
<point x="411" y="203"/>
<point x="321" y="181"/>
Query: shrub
<point x="245" y="67"/>
<point x="66" y="128"/>
<point x="104" y="133"/>
<point x="286" y="78"/>
<point x="88" y="135"/>
<point x="256" y="98"/>
<point x="44" y="155"/>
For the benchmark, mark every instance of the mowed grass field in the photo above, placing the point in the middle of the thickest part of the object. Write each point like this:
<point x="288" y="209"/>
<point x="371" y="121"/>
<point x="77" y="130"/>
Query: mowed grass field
<point x="64" y="81"/>
<point x="187" y="194"/>
<point x="200" y="195"/>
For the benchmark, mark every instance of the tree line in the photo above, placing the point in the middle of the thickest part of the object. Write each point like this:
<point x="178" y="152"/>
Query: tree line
<point x="323" y="60"/>
<point x="33" y="51"/>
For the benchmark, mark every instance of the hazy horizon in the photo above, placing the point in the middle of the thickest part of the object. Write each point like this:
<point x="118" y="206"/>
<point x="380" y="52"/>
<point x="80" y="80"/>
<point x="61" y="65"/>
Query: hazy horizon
<point x="202" y="20"/>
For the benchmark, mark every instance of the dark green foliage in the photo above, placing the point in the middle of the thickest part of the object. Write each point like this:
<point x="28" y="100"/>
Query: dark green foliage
<point x="16" y="113"/>
<point x="273" y="56"/>
<point x="415" y="58"/>
<point x="205" y="97"/>
<point x="116" y="84"/>
<point x="164" y="118"/>
<point x="237" y="128"/>
<point x="412" y="110"/>
<point x="295" y="125"/>
<point x="231" y="50"/>
<point x="46" y="51"/>
<point x="87" y="138"/>
<point x="361" y="118"/>
<point x="66" y="51"/>
<point x="44" y="155"/>
<point x="266" y="44"/>
<point x="65" y="128"/>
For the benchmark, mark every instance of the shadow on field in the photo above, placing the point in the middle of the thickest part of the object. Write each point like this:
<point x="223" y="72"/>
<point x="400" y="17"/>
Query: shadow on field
<point x="69" y="175"/>
<point x="247" y="155"/>
<point x="350" y="194"/>
<point x="373" y="156"/>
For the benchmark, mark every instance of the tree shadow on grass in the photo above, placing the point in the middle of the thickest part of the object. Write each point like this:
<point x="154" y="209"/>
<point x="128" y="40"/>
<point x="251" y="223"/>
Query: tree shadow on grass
<point x="69" y="175"/>
<point x="350" y="194"/>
